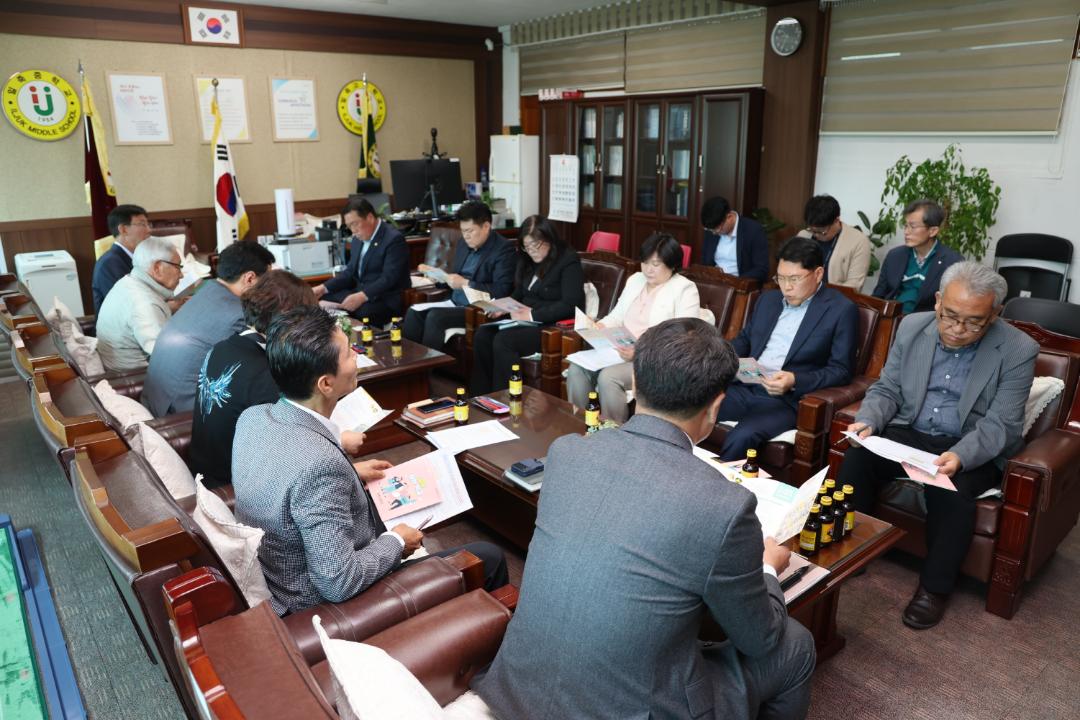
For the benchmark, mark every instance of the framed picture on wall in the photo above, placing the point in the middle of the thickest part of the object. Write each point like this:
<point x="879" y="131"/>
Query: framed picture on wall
<point x="213" y="25"/>
<point x="295" y="116"/>
<point x="140" y="109"/>
<point x="232" y="101"/>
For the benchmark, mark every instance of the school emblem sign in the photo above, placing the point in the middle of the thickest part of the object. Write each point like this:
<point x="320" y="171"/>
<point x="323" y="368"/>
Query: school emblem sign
<point x="41" y="105"/>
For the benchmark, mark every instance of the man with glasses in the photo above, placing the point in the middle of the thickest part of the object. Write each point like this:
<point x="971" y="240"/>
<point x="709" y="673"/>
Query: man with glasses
<point x="846" y="249"/>
<point x="371" y="285"/>
<point x="911" y="273"/>
<point x="136" y="309"/>
<point x="954" y="384"/>
<point x="735" y="244"/>
<point x="128" y="224"/>
<point x="803" y="337"/>
<point x="484" y="262"/>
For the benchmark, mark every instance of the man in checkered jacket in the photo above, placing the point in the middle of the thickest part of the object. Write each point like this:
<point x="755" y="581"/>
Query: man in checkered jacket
<point x="323" y="540"/>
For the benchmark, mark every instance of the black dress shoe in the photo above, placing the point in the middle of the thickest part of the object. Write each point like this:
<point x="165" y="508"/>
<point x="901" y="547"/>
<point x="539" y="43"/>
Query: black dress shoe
<point x="925" y="609"/>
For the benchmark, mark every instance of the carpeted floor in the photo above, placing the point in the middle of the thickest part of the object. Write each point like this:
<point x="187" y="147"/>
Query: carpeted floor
<point x="974" y="665"/>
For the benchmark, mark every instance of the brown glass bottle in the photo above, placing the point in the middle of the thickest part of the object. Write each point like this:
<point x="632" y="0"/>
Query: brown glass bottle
<point x="515" y="382"/>
<point x="592" y="411"/>
<point x="750" y="467"/>
<point x="838" y="516"/>
<point x="461" y="408"/>
<point x="849" y="508"/>
<point x="395" y="331"/>
<point x="827" y="522"/>
<point x="367" y="334"/>
<point x="811" y="532"/>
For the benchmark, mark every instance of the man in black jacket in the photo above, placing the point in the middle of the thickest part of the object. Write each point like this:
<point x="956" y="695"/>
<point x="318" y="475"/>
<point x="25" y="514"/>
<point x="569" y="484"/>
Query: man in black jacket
<point x="128" y="224"/>
<point x="911" y="273"/>
<point x="735" y="244"/>
<point x="484" y="262"/>
<point x="371" y="285"/>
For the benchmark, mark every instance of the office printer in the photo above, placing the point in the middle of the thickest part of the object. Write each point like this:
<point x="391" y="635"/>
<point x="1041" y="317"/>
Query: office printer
<point x="302" y="255"/>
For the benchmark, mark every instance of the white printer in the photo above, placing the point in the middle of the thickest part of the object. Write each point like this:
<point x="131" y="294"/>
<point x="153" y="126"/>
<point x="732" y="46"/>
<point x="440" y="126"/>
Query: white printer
<point x="302" y="257"/>
<point x="50" y="274"/>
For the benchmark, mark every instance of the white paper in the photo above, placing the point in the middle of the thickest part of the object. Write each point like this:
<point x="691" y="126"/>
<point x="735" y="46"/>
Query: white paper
<point x="293" y="105"/>
<point x="419" y="281"/>
<point x="140" y="109"/>
<point x="232" y="103"/>
<point x="807" y="581"/>
<point x="467" y="437"/>
<point x="563" y="188"/>
<point x="420" y="307"/>
<point x="455" y="498"/>
<point x="358" y="411"/>
<point x="751" y="372"/>
<point x="436" y="274"/>
<point x="473" y="295"/>
<point x="363" y="361"/>
<point x="583" y="321"/>
<point x="193" y="271"/>
<point x="731" y="469"/>
<point x="781" y="508"/>
<point x="595" y="360"/>
<point x="897" y="452"/>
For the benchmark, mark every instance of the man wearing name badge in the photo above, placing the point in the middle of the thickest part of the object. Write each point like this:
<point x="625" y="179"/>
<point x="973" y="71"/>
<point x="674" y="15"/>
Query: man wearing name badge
<point x="635" y="537"/>
<point x="735" y="244"/>
<point x="484" y="262"/>
<point x="323" y="540"/>
<point x="954" y="384"/>
<point x="371" y="285"/>
<point x="804" y="333"/>
<point x="129" y="227"/>
<point x="912" y="272"/>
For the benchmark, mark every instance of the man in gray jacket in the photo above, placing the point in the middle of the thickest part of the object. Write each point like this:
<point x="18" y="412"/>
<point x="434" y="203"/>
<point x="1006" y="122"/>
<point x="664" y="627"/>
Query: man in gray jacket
<point x="213" y="314"/>
<point x="636" y="539"/>
<point x="954" y="384"/>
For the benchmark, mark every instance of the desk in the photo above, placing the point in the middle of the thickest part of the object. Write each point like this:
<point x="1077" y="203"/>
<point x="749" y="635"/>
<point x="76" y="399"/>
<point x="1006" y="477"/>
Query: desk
<point x="497" y="502"/>
<point x="394" y="383"/>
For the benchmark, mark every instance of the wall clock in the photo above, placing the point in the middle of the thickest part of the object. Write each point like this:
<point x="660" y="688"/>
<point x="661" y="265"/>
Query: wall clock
<point x="786" y="36"/>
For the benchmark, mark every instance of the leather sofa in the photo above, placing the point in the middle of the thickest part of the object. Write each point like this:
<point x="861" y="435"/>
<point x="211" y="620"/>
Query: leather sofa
<point x="1015" y="535"/>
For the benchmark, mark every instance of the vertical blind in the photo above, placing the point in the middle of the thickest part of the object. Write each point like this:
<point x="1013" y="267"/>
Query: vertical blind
<point x="725" y="52"/>
<point x="948" y="65"/>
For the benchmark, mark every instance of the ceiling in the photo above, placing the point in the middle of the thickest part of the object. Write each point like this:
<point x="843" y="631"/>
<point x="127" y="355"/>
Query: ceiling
<point x="489" y="13"/>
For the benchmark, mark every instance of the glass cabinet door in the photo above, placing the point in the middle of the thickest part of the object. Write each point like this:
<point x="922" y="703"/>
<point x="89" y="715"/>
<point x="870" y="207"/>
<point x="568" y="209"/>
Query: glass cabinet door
<point x="678" y="158"/>
<point x="587" y="146"/>
<point x="647" y="158"/>
<point x="613" y="166"/>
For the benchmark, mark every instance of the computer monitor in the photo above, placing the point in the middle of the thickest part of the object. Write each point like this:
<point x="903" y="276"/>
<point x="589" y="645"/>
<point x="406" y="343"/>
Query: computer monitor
<point x="414" y="180"/>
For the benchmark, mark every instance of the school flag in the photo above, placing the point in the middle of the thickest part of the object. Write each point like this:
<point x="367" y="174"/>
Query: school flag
<point x="232" y="219"/>
<point x="369" y="151"/>
<point x="100" y="191"/>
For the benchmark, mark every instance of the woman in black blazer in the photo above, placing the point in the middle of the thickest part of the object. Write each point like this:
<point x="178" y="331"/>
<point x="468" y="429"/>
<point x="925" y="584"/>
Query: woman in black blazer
<point x="550" y="281"/>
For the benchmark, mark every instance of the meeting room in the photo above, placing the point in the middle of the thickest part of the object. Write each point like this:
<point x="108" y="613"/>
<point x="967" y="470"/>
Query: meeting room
<point x="575" y="360"/>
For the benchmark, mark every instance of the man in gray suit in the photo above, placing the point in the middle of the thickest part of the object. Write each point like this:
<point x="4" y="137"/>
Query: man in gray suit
<point x="635" y="540"/>
<point x="323" y="540"/>
<point x="954" y="384"/>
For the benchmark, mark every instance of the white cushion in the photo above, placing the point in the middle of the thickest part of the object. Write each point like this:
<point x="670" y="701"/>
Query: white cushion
<point x="165" y="461"/>
<point x="592" y="300"/>
<point x="469" y="706"/>
<point x="177" y="241"/>
<point x="371" y="685"/>
<point x="235" y="543"/>
<point x="788" y="436"/>
<point x="1043" y="391"/>
<point x="125" y="411"/>
<point x="82" y="349"/>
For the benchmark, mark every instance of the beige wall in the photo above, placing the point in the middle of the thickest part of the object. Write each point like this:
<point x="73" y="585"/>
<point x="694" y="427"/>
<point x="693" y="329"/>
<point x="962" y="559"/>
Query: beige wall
<point x="45" y="179"/>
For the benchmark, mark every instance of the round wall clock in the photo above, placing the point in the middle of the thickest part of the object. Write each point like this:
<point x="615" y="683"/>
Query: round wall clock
<point x="349" y="106"/>
<point x="786" y="36"/>
<point x="41" y="105"/>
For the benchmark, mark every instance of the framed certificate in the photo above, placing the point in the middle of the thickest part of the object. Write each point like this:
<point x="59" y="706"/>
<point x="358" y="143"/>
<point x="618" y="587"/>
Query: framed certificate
<point x="140" y="109"/>
<point x="232" y="100"/>
<point x="292" y="102"/>
<point x="209" y="25"/>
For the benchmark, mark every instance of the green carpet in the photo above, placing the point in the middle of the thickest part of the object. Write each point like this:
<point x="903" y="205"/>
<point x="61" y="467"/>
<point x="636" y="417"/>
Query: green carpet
<point x="20" y="691"/>
<point x="117" y="680"/>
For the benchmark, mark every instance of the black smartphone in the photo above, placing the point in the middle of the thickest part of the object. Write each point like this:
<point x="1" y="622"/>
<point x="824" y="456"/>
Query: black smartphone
<point x="433" y="406"/>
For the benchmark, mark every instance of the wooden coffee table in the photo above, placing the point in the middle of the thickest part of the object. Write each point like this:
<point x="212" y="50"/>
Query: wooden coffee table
<point x="399" y="378"/>
<point x="497" y="502"/>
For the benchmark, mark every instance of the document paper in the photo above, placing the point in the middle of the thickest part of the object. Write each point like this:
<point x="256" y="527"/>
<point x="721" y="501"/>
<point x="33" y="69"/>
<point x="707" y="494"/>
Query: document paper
<point x="358" y="411"/>
<point x="453" y="497"/>
<point x="467" y="437"/>
<point x="918" y="464"/>
<point x="595" y="360"/>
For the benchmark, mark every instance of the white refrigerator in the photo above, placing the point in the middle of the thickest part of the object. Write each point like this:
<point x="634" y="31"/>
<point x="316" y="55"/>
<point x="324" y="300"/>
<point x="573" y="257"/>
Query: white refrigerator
<point x="514" y="173"/>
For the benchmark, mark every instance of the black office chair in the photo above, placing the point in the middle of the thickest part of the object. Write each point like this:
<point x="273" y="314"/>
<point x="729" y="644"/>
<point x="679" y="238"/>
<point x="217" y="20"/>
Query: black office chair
<point x="1035" y="265"/>
<point x="1055" y="316"/>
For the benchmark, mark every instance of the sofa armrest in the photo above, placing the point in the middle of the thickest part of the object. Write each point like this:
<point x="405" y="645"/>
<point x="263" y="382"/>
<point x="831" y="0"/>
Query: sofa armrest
<point x="551" y="360"/>
<point x="393" y="599"/>
<point x="814" y="420"/>
<point x="413" y="296"/>
<point x="445" y="646"/>
<point x="847" y="413"/>
<point x="1055" y="456"/>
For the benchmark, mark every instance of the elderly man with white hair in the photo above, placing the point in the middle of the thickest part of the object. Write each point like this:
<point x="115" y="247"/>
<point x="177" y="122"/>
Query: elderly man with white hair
<point x="954" y="384"/>
<point x="136" y="308"/>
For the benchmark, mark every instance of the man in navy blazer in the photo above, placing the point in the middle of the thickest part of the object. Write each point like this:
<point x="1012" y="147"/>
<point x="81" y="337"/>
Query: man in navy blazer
<point x="911" y="273"/>
<point x="128" y="224"/>
<point x="735" y="244"/>
<point x="804" y="337"/>
<point x="485" y="262"/>
<point x="371" y="285"/>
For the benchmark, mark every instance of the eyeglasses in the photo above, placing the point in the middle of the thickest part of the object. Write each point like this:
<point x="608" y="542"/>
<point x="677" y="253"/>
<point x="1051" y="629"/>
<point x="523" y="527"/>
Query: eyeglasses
<point x="915" y="226"/>
<point x="971" y="326"/>
<point x="818" y="231"/>
<point x="530" y="246"/>
<point x="178" y="266"/>
<point x="790" y="280"/>
<point x="140" y="224"/>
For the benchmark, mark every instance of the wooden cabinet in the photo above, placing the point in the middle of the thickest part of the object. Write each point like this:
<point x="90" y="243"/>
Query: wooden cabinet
<point x="648" y="162"/>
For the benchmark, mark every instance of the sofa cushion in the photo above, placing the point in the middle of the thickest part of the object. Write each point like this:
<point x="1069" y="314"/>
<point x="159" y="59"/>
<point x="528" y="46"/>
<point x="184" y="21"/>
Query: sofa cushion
<point x="81" y="349"/>
<point x="235" y="543"/>
<point x="125" y="412"/>
<point x="165" y="461"/>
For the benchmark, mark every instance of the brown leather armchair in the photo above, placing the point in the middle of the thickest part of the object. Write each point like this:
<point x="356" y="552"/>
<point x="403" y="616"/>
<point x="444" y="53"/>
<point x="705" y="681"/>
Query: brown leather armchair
<point x="9" y="284"/>
<point x="731" y="299"/>
<point x="1016" y="534"/>
<point x="247" y="665"/>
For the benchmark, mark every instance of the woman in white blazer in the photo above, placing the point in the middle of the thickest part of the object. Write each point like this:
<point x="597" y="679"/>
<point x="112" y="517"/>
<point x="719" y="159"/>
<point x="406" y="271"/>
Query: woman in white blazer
<point x="655" y="294"/>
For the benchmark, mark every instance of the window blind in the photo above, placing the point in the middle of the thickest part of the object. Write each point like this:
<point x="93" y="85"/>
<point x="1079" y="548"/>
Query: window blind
<point x="949" y="66"/>
<point x="590" y="64"/>
<point x="725" y="52"/>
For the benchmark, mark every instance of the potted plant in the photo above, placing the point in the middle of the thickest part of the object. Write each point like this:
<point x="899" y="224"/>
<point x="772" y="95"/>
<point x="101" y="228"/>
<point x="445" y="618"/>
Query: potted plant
<point x="968" y="195"/>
